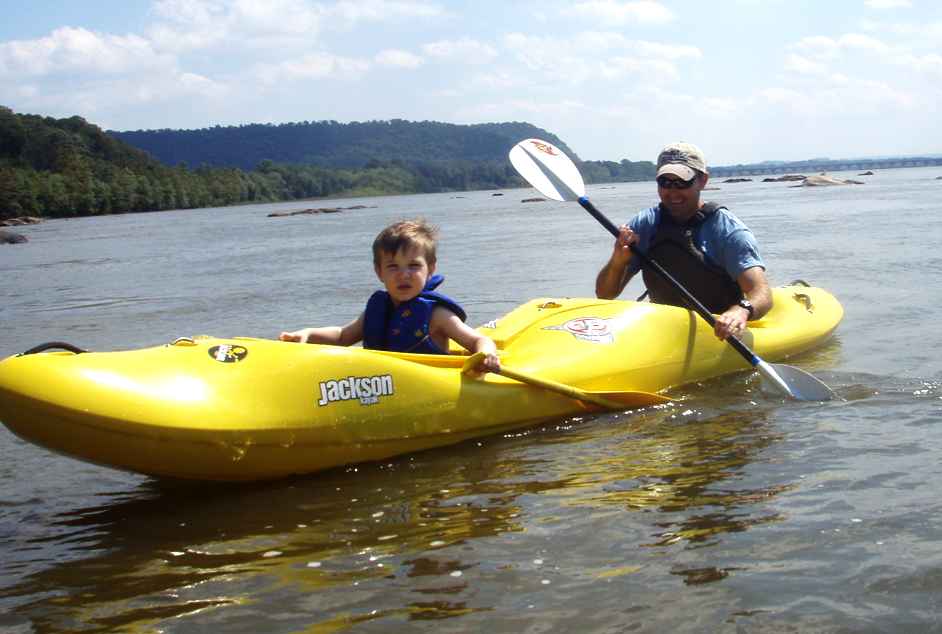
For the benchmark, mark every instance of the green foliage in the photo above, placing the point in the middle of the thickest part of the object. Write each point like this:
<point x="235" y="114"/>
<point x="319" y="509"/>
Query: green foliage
<point x="69" y="167"/>
<point x="335" y="145"/>
<point x="12" y="134"/>
<point x="611" y="172"/>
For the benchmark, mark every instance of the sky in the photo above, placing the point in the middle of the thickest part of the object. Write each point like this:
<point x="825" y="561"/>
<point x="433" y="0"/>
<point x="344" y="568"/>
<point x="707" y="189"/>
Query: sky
<point x="746" y="80"/>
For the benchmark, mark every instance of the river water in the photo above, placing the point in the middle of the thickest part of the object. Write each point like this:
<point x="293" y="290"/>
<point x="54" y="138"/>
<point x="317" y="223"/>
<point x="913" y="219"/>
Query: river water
<point x="733" y="511"/>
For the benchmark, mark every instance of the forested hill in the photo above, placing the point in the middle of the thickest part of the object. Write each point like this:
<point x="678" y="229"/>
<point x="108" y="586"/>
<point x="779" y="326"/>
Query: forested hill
<point x="333" y="144"/>
<point x="70" y="167"/>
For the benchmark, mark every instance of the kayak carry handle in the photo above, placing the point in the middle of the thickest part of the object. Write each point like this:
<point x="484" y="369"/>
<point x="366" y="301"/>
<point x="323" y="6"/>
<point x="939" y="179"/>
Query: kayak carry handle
<point x="53" y="345"/>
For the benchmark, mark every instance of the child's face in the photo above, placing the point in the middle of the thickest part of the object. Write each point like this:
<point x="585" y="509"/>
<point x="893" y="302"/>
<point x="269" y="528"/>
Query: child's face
<point x="404" y="273"/>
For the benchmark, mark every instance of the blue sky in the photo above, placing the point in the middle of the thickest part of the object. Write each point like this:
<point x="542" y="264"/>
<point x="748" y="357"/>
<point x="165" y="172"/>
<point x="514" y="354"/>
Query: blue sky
<point x="747" y="80"/>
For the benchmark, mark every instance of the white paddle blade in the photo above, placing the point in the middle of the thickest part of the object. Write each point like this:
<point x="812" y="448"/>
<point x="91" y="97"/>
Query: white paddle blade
<point x="547" y="169"/>
<point x="794" y="382"/>
<point x="804" y="386"/>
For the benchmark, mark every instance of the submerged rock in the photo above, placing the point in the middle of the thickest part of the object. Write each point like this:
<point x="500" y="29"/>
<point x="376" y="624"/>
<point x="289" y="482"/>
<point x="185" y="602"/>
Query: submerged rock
<point x="823" y="180"/>
<point x="21" y="220"/>
<point x="318" y="210"/>
<point x="11" y="237"/>
<point x="787" y="177"/>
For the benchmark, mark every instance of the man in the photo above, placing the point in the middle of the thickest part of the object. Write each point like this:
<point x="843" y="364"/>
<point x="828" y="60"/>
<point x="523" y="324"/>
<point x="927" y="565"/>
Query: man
<point x="703" y="246"/>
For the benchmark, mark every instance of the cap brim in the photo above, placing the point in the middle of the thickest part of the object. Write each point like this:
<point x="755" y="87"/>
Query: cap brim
<point x="677" y="169"/>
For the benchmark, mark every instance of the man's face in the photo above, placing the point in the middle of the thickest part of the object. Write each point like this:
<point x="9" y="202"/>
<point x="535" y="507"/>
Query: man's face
<point x="681" y="198"/>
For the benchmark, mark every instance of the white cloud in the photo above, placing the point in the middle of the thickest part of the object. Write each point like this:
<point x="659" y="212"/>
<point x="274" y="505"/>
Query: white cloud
<point x="652" y="70"/>
<point x="616" y="12"/>
<point x="464" y="49"/>
<point x="204" y="24"/>
<point x="827" y="48"/>
<point x="272" y="25"/>
<point x="26" y="91"/>
<point x="158" y="90"/>
<point x="189" y="11"/>
<point x="855" y="41"/>
<point x="888" y="4"/>
<point x="910" y="42"/>
<point x="69" y="49"/>
<point x="499" y="80"/>
<point x="723" y="107"/>
<point x="593" y="56"/>
<point x="534" y="109"/>
<point x="398" y="59"/>
<point x="318" y="65"/>
<point x="926" y="31"/>
<point x="896" y="56"/>
<point x="380" y="10"/>
<point x="97" y="99"/>
<point x="803" y="65"/>
<point x="197" y="84"/>
<point x="614" y="41"/>
<point x="784" y="96"/>
<point x="195" y="50"/>
<point x="667" y="51"/>
<point x="930" y="64"/>
<point x="201" y="62"/>
<point x="817" y="46"/>
<point x="839" y="95"/>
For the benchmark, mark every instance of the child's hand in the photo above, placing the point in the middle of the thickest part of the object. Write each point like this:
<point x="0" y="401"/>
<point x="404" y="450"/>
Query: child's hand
<point x="480" y="363"/>
<point x="490" y="363"/>
<point x="296" y="337"/>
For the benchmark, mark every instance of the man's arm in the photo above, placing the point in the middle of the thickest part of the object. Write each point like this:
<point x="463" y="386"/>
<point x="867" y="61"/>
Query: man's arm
<point x="755" y="289"/>
<point x="614" y="276"/>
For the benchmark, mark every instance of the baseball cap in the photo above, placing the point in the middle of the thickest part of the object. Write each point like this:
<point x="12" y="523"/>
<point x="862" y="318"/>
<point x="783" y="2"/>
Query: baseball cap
<point x="681" y="159"/>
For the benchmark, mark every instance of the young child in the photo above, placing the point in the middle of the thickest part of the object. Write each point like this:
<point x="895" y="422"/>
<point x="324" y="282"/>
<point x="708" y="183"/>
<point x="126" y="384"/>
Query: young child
<point x="409" y="316"/>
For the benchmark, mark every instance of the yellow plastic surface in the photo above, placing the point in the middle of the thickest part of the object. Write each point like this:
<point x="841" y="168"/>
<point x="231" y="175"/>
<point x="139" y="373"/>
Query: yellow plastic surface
<point x="253" y="409"/>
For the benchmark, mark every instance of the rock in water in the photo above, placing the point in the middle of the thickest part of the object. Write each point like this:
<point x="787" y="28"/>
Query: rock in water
<point x="10" y="237"/>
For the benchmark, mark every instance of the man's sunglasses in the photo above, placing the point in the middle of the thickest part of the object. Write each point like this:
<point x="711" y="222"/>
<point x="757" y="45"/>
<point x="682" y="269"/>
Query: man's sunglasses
<point x="674" y="183"/>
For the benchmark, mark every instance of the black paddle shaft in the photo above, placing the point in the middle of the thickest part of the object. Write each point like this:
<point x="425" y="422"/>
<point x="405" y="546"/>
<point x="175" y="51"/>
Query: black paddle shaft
<point x="692" y="301"/>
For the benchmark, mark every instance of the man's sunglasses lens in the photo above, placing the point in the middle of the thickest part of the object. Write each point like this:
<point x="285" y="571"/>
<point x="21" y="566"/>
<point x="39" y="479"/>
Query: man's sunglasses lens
<point x="671" y="183"/>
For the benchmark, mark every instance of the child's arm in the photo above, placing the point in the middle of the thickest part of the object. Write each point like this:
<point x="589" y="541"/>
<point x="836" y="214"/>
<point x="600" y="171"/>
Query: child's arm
<point x="332" y="335"/>
<point x="448" y="323"/>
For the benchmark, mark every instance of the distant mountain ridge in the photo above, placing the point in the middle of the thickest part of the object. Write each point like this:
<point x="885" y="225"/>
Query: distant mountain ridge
<point x="335" y="145"/>
<point x="69" y="167"/>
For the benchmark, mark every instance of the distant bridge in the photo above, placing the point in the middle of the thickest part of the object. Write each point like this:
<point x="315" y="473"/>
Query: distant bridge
<point x="824" y="165"/>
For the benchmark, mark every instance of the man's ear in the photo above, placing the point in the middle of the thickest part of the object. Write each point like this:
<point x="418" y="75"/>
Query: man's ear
<point x="377" y="269"/>
<point x="431" y="269"/>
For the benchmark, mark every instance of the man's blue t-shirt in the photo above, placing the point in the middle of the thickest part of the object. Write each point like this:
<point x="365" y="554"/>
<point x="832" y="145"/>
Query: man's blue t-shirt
<point x="722" y="237"/>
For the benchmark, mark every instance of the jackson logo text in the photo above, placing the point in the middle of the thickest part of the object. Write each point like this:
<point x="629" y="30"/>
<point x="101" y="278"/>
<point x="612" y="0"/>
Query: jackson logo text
<point x="366" y="389"/>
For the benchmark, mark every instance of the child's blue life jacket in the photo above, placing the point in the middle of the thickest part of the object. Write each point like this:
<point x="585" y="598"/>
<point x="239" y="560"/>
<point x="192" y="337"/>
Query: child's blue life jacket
<point x="405" y="328"/>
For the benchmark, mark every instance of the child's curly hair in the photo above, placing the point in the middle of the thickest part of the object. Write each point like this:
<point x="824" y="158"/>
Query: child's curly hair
<point x="406" y="234"/>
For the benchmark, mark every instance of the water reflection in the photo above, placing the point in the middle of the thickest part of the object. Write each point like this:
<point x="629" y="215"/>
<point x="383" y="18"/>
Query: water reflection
<point x="403" y="539"/>
<point x="683" y="463"/>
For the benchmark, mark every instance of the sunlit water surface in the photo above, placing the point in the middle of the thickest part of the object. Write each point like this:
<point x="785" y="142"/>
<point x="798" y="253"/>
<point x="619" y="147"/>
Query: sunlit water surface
<point x="730" y="511"/>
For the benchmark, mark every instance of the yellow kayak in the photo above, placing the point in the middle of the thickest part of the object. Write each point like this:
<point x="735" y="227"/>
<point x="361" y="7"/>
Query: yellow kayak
<point x="251" y="409"/>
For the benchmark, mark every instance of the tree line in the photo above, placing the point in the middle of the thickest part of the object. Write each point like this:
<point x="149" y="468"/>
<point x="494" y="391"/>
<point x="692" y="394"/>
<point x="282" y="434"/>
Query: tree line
<point x="69" y="167"/>
<point x="335" y="145"/>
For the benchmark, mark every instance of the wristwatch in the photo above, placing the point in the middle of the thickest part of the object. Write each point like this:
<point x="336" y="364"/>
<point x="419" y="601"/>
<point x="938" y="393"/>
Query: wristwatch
<point x="745" y="303"/>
